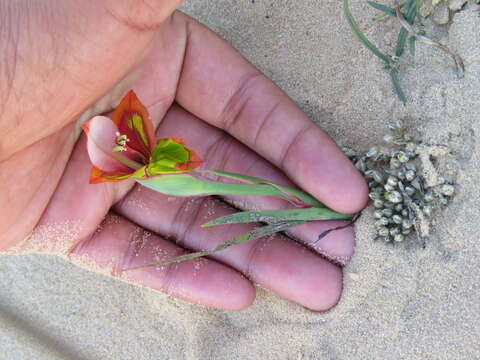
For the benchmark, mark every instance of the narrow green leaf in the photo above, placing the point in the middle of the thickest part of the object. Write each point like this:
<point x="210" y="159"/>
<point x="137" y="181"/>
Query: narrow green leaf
<point x="396" y="86"/>
<point x="385" y="9"/>
<point x="178" y="259"/>
<point x="411" y="44"/>
<point x="412" y="8"/>
<point x="361" y="36"/>
<point x="251" y="235"/>
<point x="187" y="185"/>
<point x="229" y="175"/>
<point x="415" y="5"/>
<point x="276" y="216"/>
<point x="402" y="36"/>
<point x="259" y="232"/>
<point x="307" y="198"/>
<point x="384" y="15"/>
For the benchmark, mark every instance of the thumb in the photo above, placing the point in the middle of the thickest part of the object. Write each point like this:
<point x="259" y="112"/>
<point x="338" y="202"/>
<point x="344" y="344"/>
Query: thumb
<point x="67" y="55"/>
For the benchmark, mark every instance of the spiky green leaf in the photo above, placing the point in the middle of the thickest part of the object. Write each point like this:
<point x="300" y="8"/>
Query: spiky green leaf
<point x="250" y="235"/>
<point x="361" y="36"/>
<point x="276" y="216"/>
<point x="412" y="11"/>
<point x="396" y="86"/>
<point x="385" y="9"/>
<point x="411" y="45"/>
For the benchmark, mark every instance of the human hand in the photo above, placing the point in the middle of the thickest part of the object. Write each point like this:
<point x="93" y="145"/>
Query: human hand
<point x="76" y="60"/>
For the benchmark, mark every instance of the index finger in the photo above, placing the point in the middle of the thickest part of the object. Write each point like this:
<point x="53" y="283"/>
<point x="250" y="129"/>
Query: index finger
<point x="221" y="87"/>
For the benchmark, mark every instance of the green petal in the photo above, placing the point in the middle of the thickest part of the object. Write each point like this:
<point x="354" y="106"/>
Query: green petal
<point x="136" y="123"/>
<point x="166" y="156"/>
<point x="171" y="149"/>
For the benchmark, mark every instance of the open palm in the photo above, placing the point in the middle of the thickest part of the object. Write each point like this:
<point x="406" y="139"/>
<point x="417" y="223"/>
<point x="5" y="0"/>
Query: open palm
<point x="195" y="87"/>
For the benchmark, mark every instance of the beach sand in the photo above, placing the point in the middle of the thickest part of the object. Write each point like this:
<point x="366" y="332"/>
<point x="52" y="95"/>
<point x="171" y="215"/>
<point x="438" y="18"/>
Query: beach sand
<point x="406" y="301"/>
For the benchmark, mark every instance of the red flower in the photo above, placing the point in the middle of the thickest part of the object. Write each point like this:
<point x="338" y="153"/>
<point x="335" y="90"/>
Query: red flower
<point x="124" y="146"/>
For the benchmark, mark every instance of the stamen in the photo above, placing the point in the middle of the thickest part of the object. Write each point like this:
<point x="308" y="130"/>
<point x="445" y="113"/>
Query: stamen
<point x="120" y="143"/>
<point x="119" y="148"/>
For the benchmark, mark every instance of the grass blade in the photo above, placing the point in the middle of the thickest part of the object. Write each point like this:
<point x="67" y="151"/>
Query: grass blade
<point x="402" y="36"/>
<point x="384" y="15"/>
<point x="412" y="8"/>
<point x="307" y="198"/>
<point x="385" y="9"/>
<point x="258" y="233"/>
<point x="459" y="66"/>
<point x="251" y="235"/>
<point x="361" y="36"/>
<point x="276" y="216"/>
<point x="411" y="45"/>
<point x="396" y="86"/>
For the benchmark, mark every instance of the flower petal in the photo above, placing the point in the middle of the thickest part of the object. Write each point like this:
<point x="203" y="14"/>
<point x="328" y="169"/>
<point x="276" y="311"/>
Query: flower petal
<point x="101" y="136"/>
<point x="98" y="176"/>
<point x="194" y="161"/>
<point x="132" y="119"/>
<point x="171" y="156"/>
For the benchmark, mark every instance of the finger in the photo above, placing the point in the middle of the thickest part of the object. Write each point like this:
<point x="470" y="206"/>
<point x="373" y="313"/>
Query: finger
<point x="68" y="228"/>
<point x="222" y="88"/>
<point x="75" y="208"/>
<point x="119" y="245"/>
<point x="57" y="77"/>
<point x="69" y="219"/>
<point x="222" y="152"/>
<point x="273" y="262"/>
<point x="27" y="180"/>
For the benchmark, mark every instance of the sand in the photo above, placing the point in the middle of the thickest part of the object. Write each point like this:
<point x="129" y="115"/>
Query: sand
<point x="402" y="302"/>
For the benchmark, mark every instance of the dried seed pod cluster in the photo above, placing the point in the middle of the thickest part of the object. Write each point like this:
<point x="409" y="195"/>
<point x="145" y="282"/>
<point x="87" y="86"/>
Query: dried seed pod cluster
<point x="398" y="189"/>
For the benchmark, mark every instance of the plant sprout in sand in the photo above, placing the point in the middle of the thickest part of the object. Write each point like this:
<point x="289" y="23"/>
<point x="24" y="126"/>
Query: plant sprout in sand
<point x="406" y="13"/>
<point x="124" y="147"/>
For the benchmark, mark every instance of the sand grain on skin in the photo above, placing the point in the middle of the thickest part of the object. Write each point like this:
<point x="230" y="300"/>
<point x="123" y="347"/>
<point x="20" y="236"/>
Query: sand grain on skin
<point x="53" y="238"/>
